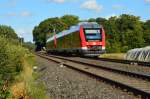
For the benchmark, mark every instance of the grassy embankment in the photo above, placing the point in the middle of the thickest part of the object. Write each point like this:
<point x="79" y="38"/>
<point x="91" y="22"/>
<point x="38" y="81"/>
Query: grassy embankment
<point x="17" y="78"/>
<point x="113" y="55"/>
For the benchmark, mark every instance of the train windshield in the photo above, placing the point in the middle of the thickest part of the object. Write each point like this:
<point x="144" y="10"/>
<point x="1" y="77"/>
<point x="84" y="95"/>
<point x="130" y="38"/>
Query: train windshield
<point x="93" y="34"/>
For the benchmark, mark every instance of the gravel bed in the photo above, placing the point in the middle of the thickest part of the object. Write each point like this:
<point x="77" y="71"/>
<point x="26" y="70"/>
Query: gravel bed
<point x="126" y="67"/>
<point x="64" y="83"/>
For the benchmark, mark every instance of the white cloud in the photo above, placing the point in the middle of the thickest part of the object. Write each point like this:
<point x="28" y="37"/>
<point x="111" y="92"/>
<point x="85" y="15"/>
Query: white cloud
<point x="20" y="14"/>
<point x="13" y="2"/>
<point x="92" y="5"/>
<point x="147" y="1"/>
<point x="25" y="14"/>
<point x="61" y="1"/>
<point x="12" y="14"/>
<point x="117" y="6"/>
<point x="9" y="3"/>
<point x="57" y="1"/>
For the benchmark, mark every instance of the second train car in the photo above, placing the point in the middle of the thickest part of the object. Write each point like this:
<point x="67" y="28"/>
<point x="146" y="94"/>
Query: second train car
<point x="86" y="39"/>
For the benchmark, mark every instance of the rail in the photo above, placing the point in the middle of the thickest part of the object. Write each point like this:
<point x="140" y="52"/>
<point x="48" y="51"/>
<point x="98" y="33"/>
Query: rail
<point x="124" y="61"/>
<point x="128" y="80"/>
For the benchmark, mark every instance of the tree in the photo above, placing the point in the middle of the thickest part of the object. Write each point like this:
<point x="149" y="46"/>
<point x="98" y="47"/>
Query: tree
<point x="112" y="35"/>
<point x="101" y="21"/>
<point x="91" y="20"/>
<point x="38" y="38"/>
<point x="46" y="29"/>
<point x="123" y="33"/>
<point x="8" y="32"/>
<point x="29" y="45"/>
<point x="131" y="31"/>
<point x="147" y="33"/>
<point x="48" y="25"/>
<point x="70" y="20"/>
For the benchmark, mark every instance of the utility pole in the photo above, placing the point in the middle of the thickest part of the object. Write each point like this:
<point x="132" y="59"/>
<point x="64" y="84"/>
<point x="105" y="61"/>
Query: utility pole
<point x="21" y="40"/>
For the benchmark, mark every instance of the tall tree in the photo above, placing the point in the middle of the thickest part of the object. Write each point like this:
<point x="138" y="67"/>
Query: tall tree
<point x="46" y="29"/>
<point x="91" y="20"/>
<point x="147" y="33"/>
<point x="101" y="21"/>
<point x="8" y="32"/>
<point x="70" y="20"/>
<point x="112" y="35"/>
<point x="131" y="31"/>
<point x="38" y="38"/>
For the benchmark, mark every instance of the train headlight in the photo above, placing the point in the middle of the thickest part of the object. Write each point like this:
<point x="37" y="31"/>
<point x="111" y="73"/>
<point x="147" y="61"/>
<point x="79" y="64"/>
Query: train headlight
<point x="84" y="48"/>
<point x="103" y="47"/>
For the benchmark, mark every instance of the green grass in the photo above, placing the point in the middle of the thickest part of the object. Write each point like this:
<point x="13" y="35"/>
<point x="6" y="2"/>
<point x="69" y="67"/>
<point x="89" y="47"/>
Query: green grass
<point x="32" y="88"/>
<point x="36" y="90"/>
<point x="113" y="55"/>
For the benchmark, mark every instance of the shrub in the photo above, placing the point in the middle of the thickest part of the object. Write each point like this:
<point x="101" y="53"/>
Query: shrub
<point x="11" y="61"/>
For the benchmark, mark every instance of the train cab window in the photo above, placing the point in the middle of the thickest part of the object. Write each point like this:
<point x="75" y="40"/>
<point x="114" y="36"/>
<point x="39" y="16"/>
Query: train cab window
<point x="93" y="34"/>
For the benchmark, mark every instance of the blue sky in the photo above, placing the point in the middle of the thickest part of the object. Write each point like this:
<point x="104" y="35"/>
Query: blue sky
<point x="23" y="15"/>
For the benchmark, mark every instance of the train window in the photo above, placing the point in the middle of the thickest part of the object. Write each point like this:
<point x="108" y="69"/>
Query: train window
<point x="93" y="34"/>
<point x="91" y="25"/>
<point x="92" y="31"/>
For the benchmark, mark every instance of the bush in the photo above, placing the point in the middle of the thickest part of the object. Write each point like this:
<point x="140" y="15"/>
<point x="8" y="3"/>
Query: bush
<point x="11" y="61"/>
<point x="29" y="45"/>
<point x="10" y="58"/>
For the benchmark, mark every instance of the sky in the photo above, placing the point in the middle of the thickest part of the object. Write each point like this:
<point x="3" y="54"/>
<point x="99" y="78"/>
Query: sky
<point x="24" y="15"/>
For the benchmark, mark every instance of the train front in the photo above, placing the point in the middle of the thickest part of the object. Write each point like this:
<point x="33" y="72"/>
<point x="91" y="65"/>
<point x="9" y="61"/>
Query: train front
<point x="92" y="39"/>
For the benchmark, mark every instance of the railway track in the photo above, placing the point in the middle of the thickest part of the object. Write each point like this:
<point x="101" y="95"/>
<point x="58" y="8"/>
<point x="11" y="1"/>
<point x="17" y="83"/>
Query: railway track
<point x="123" y="61"/>
<point x="135" y="82"/>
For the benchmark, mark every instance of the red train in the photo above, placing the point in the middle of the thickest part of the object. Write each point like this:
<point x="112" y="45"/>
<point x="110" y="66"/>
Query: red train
<point x="86" y="38"/>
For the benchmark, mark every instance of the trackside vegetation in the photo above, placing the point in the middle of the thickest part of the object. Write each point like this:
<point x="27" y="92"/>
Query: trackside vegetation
<point x="113" y="55"/>
<point x="16" y="62"/>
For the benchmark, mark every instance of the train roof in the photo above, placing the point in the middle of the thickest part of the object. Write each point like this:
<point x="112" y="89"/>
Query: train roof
<point x="74" y="29"/>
